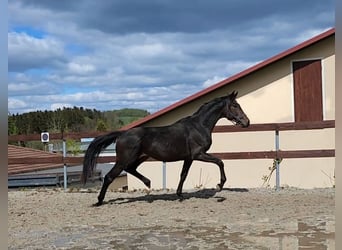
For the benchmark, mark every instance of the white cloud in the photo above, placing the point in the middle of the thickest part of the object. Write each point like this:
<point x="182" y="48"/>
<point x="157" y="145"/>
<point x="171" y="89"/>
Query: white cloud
<point x="76" y="68"/>
<point x="212" y="81"/>
<point x="19" y="87"/>
<point x="14" y="104"/>
<point x="101" y="62"/>
<point x="146" y="50"/>
<point x="307" y="34"/>
<point x="29" y="88"/>
<point x="27" y="52"/>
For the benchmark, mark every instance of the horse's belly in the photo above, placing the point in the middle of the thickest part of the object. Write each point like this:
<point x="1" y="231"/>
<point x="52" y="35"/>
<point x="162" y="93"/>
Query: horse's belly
<point x="167" y="152"/>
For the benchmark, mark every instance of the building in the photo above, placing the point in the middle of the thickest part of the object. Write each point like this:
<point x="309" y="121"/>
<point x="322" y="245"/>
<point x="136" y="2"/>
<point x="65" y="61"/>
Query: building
<point x="293" y="86"/>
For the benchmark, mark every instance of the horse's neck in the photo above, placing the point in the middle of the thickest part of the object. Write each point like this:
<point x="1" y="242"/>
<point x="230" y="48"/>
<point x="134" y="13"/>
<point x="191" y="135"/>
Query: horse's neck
<point x="208" y="118"/>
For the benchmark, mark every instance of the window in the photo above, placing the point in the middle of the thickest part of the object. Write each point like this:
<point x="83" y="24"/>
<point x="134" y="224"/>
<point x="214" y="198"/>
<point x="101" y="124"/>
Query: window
<point x="307" y="79"/>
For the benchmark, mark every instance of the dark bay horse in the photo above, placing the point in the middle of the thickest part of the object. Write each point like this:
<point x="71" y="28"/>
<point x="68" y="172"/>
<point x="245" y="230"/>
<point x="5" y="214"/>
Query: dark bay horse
<point x="187" y="139"/>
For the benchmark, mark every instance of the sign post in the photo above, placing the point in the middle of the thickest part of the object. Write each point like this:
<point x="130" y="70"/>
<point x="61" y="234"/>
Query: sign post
<point x="65" y="167"/>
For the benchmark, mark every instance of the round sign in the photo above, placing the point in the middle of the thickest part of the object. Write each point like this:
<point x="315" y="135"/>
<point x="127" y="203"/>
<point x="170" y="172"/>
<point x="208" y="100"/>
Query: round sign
<point x="45" y="137"/>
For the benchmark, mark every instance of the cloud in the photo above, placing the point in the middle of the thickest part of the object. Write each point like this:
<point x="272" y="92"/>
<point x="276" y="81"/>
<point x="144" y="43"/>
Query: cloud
<point x="212" y="81"/>
<point x="27" y="88"/>
<point x="151" y="99"/>
<point x="154" y="16"/>
<point x="16" y="104"/>
<point x="117" y="54"/>
<point x="76" y="68"/>
<point x="27" y="52"/>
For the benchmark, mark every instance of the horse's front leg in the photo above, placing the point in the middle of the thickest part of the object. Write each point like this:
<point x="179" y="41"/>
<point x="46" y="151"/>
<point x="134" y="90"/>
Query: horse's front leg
<point x="184" y="173"/>
<point x="209" y="158"/>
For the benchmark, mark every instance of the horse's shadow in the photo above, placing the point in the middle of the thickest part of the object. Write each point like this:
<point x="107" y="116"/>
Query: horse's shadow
<point x="200" y="194"/>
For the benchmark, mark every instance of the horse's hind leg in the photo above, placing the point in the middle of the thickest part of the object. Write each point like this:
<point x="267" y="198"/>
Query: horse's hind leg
<point x="132" y="169"/>
<point x="109" y="178"/>
<point x="145" y="180"/>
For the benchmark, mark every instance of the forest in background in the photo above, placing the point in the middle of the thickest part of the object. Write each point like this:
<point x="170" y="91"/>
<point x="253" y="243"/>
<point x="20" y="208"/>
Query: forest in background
<point x="76" y="119"/>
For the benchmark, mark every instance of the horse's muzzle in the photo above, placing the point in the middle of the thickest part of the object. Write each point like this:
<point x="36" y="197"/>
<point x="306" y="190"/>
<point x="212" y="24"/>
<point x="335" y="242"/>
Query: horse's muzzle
<point x="245" y="124"/>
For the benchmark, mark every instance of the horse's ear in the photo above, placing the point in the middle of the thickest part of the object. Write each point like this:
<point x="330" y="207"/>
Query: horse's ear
<point x="233" y="95"/>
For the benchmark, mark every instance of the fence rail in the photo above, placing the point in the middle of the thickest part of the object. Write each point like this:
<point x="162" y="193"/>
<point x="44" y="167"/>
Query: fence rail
<point x="72" y="160"/>
<point x="53" y="179"/>
<point x="218" y="129"/>
<point x="277" y="126"/>
<point x="272" y="154"/>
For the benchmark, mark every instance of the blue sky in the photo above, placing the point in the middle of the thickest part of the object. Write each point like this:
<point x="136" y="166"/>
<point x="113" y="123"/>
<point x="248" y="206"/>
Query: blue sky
<point x="114" y="54"/>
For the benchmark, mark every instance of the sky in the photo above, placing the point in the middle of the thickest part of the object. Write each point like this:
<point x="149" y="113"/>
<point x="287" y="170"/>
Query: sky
<point x="114" y="54"/>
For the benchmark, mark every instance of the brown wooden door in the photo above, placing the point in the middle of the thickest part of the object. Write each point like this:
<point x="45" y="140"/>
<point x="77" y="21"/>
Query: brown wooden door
<point x="308" y="90"/>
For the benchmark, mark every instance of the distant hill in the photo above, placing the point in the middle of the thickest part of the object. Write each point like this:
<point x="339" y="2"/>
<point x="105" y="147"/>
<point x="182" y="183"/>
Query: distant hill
<point x="76" y="119"/>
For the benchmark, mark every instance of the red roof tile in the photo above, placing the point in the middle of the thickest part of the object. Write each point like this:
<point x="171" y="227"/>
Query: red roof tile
<point x="22" y="152"/>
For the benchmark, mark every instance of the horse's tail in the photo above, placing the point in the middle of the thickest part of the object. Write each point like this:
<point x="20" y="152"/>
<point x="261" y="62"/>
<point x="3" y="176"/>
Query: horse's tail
<point x="93" y="151"/>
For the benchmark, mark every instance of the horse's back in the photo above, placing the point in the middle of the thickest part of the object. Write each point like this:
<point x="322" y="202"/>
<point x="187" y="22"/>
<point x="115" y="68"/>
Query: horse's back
<point x="168" y="143"/>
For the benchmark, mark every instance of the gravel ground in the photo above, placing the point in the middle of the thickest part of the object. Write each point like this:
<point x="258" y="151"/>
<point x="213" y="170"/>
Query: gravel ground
<point x="262" y="218"/>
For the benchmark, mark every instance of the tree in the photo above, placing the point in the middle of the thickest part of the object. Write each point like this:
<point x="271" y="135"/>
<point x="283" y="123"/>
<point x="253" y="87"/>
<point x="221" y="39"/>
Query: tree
<point x="101" y="126"/>
<point x="12" y="127"/>
<point x="72" y="120"/>
<point x="72" y="146"/>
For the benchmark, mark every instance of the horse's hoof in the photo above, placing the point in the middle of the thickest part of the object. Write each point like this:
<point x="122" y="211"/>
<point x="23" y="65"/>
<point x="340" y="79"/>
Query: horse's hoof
<point x="219" y="187"/>
<point x="180" y="197"/>
<point x="147" y="191"/>
<point x="97" y="204"/>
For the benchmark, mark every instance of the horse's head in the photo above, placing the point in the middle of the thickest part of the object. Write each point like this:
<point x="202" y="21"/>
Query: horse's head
<point x="234" y="112"/>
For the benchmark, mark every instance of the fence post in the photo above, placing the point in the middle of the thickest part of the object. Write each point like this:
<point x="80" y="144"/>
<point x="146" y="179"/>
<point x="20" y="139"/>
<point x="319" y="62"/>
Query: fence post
<point x="276" y="160"/>
<point x="65" y="167"/>
<point x="164" y="175"/>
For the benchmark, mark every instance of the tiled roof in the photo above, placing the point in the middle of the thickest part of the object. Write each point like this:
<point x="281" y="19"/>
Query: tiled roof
<point x="23" y="152"/>
<point x="233" y="78"/>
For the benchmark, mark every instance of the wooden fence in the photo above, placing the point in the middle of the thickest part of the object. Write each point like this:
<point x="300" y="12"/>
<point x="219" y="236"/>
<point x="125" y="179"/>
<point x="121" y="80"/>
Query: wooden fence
<point x="273" y="154"/>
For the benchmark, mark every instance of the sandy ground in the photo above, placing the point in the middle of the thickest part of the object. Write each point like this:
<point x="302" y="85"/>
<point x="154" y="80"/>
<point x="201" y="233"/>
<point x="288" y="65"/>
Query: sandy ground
<point x="231" y="219"/>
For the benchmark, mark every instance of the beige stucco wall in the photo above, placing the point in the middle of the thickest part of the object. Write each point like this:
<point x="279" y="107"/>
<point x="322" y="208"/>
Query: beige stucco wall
<point x="119" y="183"/>
<point x="329" y="87"/>
<point x="267" y="97"/>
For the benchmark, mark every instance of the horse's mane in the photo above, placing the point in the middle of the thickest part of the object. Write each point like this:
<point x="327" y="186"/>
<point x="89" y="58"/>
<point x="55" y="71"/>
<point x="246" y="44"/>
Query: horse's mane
<point x="205" y="108"/>
<point x="208" y="105"/>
